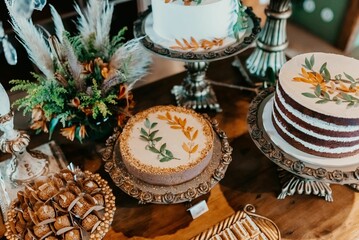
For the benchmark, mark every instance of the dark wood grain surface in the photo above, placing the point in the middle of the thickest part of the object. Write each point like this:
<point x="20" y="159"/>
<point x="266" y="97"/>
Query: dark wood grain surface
<point x="251" y="178"/>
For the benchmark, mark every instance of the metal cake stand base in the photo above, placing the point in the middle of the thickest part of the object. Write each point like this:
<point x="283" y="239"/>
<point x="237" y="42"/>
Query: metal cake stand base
<point x="300" y="173"/>
<point x="195" y="91"/>
<point x="292" y="184"/>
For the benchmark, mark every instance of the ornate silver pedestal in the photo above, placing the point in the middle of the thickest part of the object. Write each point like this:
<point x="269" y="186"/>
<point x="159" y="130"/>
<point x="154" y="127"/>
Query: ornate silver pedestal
<point x="301" y="173"/>
<point x="272" y="41"/>
<point x="195" y="91"/>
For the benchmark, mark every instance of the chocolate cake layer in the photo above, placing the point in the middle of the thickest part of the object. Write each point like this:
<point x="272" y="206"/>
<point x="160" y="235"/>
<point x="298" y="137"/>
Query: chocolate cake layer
<point x="303" y="148"/>
<point x="315" y="129"/>
<point x="312" y="139"/>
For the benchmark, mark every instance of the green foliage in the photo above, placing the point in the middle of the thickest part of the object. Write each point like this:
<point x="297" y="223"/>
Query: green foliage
<point x="242" y="20"/>
<point x="149" y="136"/>
<point x="50" y="95"/>
<point x="322" y="94"/>
<point x="117" y="41"/>
<point x="309" y="63"/>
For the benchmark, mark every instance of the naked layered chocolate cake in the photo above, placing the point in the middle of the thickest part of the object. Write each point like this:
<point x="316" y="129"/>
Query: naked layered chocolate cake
<point x="316" y="104"/>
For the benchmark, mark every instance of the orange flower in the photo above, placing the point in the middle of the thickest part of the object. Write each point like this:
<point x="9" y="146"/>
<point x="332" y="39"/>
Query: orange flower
<point x="75" y="102"/>
<point x="87" y="68"/>
<point x="121" y="120"/>
<point x="37" y="113"/>
<point x="69" y="132"/>
<point x="82" y="131"/>
<point x="40" y="124"/>
<point x="87" y="111"/>
<point x="122" y="93"/>
<point x="103" y="66"/>
<point x="105" y="72"/>
<point x="38" y="119"/>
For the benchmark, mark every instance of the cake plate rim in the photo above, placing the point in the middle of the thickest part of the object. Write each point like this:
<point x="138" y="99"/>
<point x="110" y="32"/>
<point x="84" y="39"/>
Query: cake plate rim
<point x="249" y="36"/>
<point x="299" y="167"/>
<point x="173" y="194"/>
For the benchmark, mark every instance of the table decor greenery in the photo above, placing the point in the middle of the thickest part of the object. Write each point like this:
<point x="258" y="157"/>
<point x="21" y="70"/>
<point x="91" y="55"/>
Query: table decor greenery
<point x="85" y="79"/>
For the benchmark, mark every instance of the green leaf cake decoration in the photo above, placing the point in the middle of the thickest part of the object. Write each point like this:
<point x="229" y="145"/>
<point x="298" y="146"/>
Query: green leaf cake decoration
<point x="326" y="88"/>
<point x="150" y="135"/>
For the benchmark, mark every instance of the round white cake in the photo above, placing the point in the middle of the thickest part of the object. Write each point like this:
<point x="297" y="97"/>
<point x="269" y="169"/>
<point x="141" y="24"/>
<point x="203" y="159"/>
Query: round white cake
<point x="166" y="145"/>
<point x="316" y="105"/>
<point x="207" y="20"/>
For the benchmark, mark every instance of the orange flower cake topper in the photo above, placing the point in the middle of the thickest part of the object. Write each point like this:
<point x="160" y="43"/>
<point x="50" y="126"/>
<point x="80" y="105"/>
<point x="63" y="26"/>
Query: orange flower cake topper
<point x="341" y="88"/>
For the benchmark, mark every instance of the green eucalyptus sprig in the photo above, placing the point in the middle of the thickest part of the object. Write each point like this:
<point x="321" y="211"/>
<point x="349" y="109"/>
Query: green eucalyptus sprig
<point x="149" y="135"/>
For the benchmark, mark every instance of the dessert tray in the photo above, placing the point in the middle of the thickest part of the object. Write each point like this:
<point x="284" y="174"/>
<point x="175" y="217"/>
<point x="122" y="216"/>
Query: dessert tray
<point x="68" y="204"/>
<point x="315" y="173"/>
<point x="242" y="225"/>
<point x="143" y="28"/>
<point x="159" y="194"/>
<point x="8" y="190"/>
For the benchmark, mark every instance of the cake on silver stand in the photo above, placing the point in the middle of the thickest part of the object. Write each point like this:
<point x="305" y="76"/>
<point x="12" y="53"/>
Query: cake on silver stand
<point x="300" y="173"/>
<point x="195" y="91"/>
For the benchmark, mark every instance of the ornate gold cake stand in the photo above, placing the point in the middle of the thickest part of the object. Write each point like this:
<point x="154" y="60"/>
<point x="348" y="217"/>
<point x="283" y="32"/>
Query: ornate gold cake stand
<point x="300" y="172"/>
<point x="195" y="91"/>
<point x="159" y="194"/>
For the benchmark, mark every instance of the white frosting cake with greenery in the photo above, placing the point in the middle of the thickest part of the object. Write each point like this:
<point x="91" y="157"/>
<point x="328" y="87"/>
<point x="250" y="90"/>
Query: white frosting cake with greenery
<point x="197" y="24"/>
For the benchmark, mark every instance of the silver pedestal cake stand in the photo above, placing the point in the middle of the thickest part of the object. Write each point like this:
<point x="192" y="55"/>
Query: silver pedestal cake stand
<point x="195" y="91"/>
<point x="300" y="172"/>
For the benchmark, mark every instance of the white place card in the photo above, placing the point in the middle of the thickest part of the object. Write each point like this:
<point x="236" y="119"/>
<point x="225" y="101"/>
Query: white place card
<point x="198" y="209"/>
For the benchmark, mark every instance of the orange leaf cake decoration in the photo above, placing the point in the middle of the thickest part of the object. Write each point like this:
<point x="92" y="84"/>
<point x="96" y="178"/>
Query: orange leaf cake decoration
<point x="194" y="45"/>
<point x="342" y="88"/>
<point x="189" y="132"/>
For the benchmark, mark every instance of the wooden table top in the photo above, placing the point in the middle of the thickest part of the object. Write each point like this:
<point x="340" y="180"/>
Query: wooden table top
<point x="250" y="178"/>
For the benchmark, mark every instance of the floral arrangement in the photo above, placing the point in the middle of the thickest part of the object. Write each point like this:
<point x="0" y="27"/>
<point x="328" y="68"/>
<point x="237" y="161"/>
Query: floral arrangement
<point x="85" y="79"/>
<point x="341" y="88"/>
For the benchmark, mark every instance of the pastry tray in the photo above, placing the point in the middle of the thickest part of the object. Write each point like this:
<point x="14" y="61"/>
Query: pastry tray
<point x="243" y="225"/>
<point x="8" y="191"/>
<point x="302" y="164"/>
<point x="160" y="194"/>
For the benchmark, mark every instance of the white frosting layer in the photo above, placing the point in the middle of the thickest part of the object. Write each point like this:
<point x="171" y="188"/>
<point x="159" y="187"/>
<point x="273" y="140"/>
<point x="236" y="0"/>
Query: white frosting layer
<point x="208" y="20"/>
<point x="312" y="120"/>
<point x="310" y="132"/>
<point x="336" y="64"/>
<point x="314" y="147"/>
